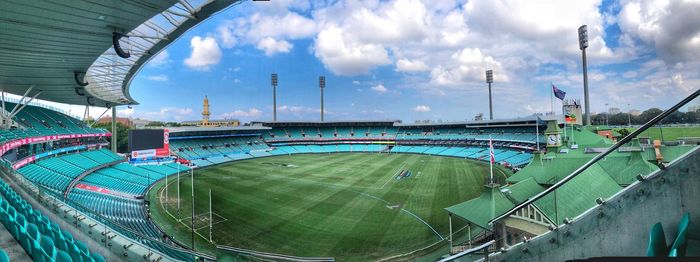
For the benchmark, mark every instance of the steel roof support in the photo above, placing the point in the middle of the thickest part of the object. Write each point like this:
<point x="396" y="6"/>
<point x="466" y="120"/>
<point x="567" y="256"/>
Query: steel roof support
<point x="22" y="106"/>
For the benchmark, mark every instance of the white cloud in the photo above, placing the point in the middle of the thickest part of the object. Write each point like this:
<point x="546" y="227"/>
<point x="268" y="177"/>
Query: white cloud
<point x="379" y="89"/>
<point x="421" y="109"/>
<point x="252" y="112"/>
<point x="268" y="32"/>
<point x="272" y="46"/>
<point x="348" y="57"/>
<point x="159" y="78"/>
<point x="407" y="65"/>
<point x="125" y="112"/>
<point x="205" y="53"/>
<point x="671" y="27"/>
<point x="160" y="59"/>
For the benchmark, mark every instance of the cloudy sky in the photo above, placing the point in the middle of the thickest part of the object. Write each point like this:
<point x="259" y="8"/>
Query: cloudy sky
<point x="412" y="59"/>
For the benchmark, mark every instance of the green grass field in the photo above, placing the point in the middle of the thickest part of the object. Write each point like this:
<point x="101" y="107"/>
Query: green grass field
<point x="669" y="133"/>
<point x="345" y="205"/>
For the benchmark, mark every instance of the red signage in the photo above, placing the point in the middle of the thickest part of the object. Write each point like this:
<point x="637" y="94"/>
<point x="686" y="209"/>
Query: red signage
<point x="31" y="140"/>
<point x="92" y="188"/>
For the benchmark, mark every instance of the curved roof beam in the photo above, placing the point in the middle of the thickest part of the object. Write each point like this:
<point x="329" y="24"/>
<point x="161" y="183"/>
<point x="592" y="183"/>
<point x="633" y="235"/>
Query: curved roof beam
<point x="110" y="75"/>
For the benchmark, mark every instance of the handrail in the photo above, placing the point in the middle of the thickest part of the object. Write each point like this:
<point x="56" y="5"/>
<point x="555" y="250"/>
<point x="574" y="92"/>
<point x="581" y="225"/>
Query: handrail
<point x="468" y="251"/>
<point x="600" y="156"/>
<point x="77" y="179"/>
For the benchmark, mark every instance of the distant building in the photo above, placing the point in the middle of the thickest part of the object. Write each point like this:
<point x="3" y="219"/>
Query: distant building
<point x="140" y="123"/>
<point x="635" y="112"/>
<point x="108" y="119"/>
<point x="694" y="108"/>
<point x="614" y="110"/>
<point x="210" y="123"/>
<point x="206" y="122"/>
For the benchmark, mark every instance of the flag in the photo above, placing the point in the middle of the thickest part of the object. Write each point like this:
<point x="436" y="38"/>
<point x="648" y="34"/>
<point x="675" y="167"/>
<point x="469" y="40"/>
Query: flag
<point x="558" y="93"/>
<point x="491" y="154"/>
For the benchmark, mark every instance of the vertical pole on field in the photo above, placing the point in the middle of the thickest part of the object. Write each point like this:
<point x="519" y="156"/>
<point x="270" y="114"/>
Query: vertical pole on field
<point x="450" y="220"/>
<point x="210" y="216"/>
<point x="167" y="200"/>
<point x="178" y="191"/>
<point x="192" y="177"/>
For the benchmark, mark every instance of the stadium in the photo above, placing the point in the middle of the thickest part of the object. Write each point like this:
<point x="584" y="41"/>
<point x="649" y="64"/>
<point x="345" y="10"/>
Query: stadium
<point x="537" y="188"/>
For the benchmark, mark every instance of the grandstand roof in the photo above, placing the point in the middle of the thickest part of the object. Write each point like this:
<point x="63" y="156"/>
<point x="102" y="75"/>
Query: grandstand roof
<point x="525" y="121"/>
<point x="328" y="123"/>
<point x="194" y="129"/>
<point x="44" y="43"/>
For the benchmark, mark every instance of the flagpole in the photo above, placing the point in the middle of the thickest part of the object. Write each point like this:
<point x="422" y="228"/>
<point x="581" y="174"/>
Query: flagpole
<point x="551" y="98"/>
<point x="491" y="159"/>
<point x="537" y="133"/>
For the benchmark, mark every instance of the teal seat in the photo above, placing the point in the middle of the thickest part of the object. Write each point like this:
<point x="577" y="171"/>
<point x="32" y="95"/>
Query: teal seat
<point x="84" y="251"/>
<point x="657" y="242"/>
<point x="46" y="252"/>
<point x="63" y="257"/>
<point x="680" y="243"/>
<point x="97" y="257"/>
<point x="30" y="241"/>
<point x="18" y="229"/>
<point x="3" y="256"/>
<point x="57" y="237"/>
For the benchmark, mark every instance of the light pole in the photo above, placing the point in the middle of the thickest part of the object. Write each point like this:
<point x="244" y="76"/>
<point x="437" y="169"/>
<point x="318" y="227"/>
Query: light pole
<point x="274" y="97"/>
<point x="489" y="80"/>
<point x="583" y="44"/>
<point x="607" y="114"/>
<point x="321" y="85"/>
<point x="629" y="116"/>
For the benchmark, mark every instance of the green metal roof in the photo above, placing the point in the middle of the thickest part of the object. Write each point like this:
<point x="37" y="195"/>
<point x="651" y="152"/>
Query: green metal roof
<point x="482" y="209"/>
<point x="578" y="194"/>
<point x="624" y="171"/>
<point x="523" y="190"/>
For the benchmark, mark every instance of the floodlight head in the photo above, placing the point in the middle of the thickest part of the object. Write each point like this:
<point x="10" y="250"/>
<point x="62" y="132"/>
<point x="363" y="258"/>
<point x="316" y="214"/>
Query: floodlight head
<point x="321" y="82"/>
<point x="489" y="76"/>
<point x="583" y="37"/>
<point x="274" y="79"/>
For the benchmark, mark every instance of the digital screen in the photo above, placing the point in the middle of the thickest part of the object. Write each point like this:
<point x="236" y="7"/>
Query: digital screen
<point x="143" y="139"/>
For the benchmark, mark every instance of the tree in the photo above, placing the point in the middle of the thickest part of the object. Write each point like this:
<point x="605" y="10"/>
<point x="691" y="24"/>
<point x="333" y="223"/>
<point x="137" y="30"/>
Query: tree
<point x="649" y="114"/>
<point x="122" y="135"/>
<point x="623" y="132"/>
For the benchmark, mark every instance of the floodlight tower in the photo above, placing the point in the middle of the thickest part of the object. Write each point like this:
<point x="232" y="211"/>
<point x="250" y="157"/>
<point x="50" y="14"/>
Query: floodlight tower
<point x="274" y="97"/>
<point x="583" y="44"/>
<point x="489" y="80"/>
<point x="321" y="85"/>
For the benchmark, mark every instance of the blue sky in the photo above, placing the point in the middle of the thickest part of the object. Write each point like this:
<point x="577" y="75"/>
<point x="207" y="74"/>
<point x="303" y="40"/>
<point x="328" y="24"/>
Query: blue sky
<point x="411" y="59"/>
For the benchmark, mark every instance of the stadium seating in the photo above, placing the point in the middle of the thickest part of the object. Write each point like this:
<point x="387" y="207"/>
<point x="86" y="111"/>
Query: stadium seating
<point x="36" y="233"/>
<point x="57" y="172"/>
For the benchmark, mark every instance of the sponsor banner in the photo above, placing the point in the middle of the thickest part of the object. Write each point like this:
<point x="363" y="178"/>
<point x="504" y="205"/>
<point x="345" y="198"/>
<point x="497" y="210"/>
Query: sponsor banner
<point x="143" y="153"/>
<point x="92" y="188"/>
<point x="165" y="151"/>
<point x="30" y="140"/>
<point x="28" y="160"/>
<point x="23" y="162"/>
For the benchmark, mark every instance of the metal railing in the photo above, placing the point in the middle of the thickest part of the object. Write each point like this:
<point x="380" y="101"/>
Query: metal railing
<point x="600" y="156"/>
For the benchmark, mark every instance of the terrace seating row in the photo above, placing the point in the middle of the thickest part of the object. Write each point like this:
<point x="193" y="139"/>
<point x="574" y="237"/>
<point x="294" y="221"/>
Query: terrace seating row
<point x="42" y="239"/>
